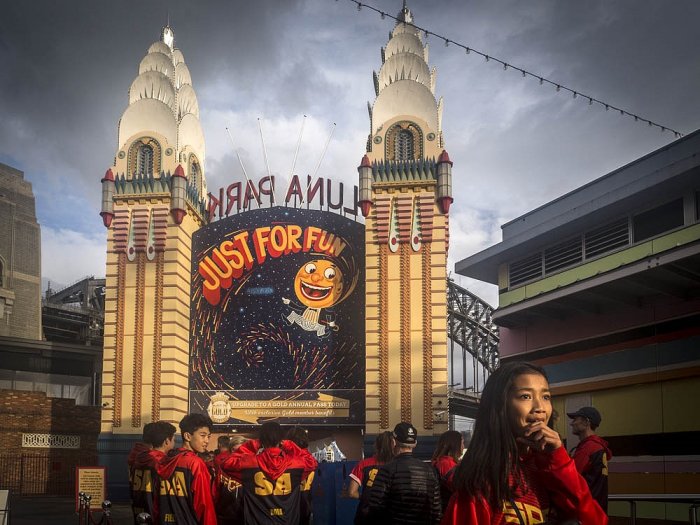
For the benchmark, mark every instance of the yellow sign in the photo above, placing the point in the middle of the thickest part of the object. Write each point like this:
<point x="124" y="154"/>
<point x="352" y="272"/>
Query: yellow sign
<point x="325" y="406"/>
<point x="92" y="481"/>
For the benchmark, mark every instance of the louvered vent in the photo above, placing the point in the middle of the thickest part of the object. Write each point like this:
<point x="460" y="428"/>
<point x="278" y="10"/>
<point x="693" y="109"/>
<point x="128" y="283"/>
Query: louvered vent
<point x="562" y="255"/>
<point x="525" y="269"/>
<point x="607" y="238"/>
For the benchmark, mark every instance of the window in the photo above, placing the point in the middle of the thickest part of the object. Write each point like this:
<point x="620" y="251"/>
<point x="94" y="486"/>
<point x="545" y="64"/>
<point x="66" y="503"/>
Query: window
<point x="194" y="172"/>
<point x="658" y="220"/>
<point x="525" y="269"/>
<point x="145" y="160"/>
<point x="607" y="238"/>
<point x="563" y="255"/>
<point x="403" y="148"/>
<point x="404" y="142"/>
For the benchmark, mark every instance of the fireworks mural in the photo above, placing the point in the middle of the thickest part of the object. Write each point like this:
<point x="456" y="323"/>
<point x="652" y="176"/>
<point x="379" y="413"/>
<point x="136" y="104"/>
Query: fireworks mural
<point x="277" y="317"/>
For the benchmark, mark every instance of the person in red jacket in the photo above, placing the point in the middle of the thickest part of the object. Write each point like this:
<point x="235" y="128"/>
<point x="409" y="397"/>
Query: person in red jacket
<point x="516" y="468"/>
<point x="271" y="471"/>
<point x="159" y="437"/>
<point x="448" y="452"/>
<point x="366" y="470"/>
<point x="184" y="484"/>
<point x="227" y="492"/>
<point x="300" y="437"/>
<point x="143" y="446"/>
<point x="592" y="453"/>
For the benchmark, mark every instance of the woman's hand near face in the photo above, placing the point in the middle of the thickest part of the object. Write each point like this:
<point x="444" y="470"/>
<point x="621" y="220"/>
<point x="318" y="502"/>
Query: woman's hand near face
<point x="540" y="437"/>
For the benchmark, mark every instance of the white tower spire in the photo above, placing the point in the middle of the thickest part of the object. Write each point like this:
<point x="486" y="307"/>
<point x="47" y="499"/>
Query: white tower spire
<point x="405" y="89"/>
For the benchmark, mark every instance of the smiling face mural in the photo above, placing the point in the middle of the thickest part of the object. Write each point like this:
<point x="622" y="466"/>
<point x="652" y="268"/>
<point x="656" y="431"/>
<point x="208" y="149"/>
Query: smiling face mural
<point x="318" y="284"/>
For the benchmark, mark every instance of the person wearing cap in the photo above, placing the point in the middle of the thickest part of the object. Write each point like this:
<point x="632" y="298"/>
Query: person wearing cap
<point x="406" y="490"/>
<point x="592" y="453"/>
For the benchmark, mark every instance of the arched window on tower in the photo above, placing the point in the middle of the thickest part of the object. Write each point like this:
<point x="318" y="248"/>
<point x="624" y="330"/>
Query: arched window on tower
<point x="195" y="171"/>
<point x="403" y="147"/>
<point x="144" y="163"/>
<point x="404" y="142"/>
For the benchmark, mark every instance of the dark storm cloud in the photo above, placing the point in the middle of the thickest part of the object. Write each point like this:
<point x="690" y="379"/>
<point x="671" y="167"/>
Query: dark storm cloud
<point x="67" y="67"/>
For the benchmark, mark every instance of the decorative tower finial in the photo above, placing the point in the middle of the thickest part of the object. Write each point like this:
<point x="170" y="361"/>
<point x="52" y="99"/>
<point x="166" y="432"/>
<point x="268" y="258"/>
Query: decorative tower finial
<point x="405" y="14"/>
<point x="167" y="35"/>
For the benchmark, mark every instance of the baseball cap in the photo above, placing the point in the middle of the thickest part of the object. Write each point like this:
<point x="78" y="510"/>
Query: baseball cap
<point x="405" y="433"/>
<point x="590" y="413"/>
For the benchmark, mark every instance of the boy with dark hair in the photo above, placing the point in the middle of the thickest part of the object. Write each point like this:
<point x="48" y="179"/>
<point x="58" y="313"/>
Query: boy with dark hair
<point x="184" y="482"/>
<point x="159" y="439"/>
<point x="271" y="471"/>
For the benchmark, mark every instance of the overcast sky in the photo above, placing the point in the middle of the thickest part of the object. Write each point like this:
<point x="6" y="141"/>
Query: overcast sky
<point x="65" y="70"/>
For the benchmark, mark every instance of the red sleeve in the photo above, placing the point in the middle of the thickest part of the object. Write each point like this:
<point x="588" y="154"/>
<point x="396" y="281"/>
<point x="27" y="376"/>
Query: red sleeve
<point x="356" y="473"/>
<point x="310" y="463"/>
<point x="234" y="462"/>
<point x="201" y="494"/>
<point x="463" y="510"/>
<point x="569" y="491"/>
<point x="582" y="455"/>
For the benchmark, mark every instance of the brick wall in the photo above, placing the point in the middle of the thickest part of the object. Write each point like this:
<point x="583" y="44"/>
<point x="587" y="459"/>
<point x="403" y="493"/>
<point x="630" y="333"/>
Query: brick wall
<point x="44" y="470"/>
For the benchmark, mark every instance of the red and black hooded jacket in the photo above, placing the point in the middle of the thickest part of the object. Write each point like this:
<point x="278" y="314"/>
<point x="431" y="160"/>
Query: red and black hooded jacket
<point x="272" y="480"/>
<point x="142" y="479"/>
<point x="591" y="456"/>
<point x="228" y="494"/>
<point x="184" y="490"/>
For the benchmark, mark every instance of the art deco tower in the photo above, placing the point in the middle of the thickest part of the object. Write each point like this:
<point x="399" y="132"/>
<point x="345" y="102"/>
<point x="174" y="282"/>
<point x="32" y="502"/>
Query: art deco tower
<point x="152" y="202"/>
<point x="405" y="195"/>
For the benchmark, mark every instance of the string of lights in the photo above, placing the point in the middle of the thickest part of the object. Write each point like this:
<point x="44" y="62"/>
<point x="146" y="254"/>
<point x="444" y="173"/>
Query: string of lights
<point x="524" y="72"/>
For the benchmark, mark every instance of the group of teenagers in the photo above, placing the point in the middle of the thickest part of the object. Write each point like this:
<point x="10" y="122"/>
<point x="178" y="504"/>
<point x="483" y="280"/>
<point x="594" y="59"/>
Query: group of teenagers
<point x="515" y="470"/>
<point x="256" y="482"/>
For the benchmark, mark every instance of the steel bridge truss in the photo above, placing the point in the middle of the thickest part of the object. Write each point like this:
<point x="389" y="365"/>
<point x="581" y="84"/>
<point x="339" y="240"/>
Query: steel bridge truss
<point x="473" y="352"/>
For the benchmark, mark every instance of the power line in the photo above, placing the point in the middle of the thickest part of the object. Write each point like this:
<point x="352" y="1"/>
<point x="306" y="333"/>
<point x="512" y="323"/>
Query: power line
<point x="525" y="73"/>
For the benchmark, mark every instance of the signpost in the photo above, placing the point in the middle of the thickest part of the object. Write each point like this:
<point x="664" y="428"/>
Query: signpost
<point x="91" y="481"/>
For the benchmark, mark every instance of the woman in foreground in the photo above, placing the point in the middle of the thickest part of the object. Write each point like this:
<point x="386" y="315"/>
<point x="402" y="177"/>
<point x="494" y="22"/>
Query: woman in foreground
<point x="515" y="468"/>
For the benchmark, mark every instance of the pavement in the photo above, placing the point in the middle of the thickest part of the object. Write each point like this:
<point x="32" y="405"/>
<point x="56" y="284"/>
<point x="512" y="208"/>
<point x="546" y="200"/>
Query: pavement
<point x="58" y="510"/>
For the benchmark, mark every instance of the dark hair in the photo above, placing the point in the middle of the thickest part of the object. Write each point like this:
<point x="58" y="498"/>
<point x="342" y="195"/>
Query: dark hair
<point x="148" y="433"/>
<point x="492" y="456"/>
<point x="270" y="434"/>
<point x="299" y="436"/>
<point x="191" y="422"/>
<point x="159" y="432"/>
<point x="222" y="442"/>
<point x="383" y="447"/>
<point x="449" y="444"/>
<point x="553" y="419"/>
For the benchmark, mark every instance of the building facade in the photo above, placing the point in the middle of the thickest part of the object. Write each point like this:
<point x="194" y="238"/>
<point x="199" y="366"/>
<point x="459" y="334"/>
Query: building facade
<point x="20" y="257"/>
<point x="602" y="287"/>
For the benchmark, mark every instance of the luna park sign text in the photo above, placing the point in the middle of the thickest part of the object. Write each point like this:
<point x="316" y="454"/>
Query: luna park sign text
<point x="243" y="196"/>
